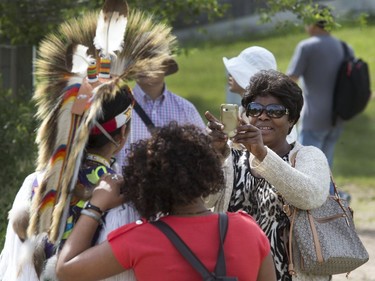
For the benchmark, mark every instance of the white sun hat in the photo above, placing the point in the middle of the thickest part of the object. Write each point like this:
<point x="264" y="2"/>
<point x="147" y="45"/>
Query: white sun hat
<point x="249" y="62"/>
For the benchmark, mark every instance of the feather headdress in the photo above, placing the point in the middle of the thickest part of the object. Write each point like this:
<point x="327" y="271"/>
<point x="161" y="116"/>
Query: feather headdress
<point x="69" y="107"/>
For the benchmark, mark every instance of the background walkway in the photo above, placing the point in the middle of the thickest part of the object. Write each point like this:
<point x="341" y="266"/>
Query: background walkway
<point x="364" y="218"/>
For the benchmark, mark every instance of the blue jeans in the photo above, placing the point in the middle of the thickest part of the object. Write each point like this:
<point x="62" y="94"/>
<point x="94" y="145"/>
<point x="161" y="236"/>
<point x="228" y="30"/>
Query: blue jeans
<point x="323" y="139"/>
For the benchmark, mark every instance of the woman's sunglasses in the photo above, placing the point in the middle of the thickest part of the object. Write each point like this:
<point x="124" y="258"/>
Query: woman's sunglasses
<point x="254" y="109"/>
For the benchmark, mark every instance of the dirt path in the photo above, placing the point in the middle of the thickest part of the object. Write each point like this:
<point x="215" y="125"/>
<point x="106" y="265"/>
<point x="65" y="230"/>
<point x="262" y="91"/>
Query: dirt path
<point x="363" y="203"/>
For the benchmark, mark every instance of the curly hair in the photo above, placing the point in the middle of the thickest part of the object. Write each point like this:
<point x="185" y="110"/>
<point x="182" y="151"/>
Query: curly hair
<point x="174" y="167"/>
<point x="276" y="84"/>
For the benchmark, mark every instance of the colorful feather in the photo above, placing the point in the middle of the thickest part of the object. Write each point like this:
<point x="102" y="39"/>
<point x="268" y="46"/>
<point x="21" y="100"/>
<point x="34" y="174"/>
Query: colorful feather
<point x="111" y="27"/>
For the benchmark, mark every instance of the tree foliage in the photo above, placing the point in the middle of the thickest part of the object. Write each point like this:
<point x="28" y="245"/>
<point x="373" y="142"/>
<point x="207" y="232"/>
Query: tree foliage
<point x="307" y="12"/>
<point x="17" y="135"/>
<point x="17" y="150"/>
<point x="27" y="21"/>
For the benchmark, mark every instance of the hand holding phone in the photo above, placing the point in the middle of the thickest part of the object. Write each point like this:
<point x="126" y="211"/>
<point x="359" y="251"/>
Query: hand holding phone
<point x="229" y="118"/>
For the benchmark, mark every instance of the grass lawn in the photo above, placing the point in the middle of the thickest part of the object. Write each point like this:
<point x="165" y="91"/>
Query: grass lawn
<point x="202" y="80"/>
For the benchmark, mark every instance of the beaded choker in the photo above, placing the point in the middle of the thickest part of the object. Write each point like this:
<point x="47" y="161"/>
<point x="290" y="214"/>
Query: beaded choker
<point x="97" y="158"/>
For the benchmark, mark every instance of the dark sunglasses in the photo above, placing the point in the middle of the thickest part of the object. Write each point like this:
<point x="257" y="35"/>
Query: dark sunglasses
<point x="254" y="109"/>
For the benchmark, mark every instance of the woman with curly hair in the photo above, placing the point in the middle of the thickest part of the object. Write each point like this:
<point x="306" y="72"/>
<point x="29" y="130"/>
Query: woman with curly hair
<point x="166" y="178"/>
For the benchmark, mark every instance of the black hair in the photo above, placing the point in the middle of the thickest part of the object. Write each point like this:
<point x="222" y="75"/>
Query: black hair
<point x="111" y="108"/>
<point x="174" y="167"/>
<point x="276" y="84"/>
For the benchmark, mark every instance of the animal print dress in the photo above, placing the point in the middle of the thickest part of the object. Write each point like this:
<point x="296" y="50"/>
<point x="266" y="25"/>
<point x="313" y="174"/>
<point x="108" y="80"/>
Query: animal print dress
<point x="258" y="198"/>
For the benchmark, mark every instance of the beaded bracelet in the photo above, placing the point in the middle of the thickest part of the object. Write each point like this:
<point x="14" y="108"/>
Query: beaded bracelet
<point x="89" y="206"/>
<point x="92" y="215"/>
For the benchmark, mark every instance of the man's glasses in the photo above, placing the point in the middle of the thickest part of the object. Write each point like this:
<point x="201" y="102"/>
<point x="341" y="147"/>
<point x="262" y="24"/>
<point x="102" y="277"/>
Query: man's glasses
<point x="254" y="109"/>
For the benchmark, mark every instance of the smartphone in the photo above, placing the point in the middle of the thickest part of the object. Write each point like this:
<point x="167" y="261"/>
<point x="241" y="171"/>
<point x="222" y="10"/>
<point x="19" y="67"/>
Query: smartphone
<point x="229" y="118"/>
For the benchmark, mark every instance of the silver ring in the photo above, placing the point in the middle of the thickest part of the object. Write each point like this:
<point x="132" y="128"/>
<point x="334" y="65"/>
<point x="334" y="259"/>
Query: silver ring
<point x="114" y="177"/>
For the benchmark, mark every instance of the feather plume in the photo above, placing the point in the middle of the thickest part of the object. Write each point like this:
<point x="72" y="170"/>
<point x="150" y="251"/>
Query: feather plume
<point x="147" y="45"/>
<point x="80" y="59"/>
<point x="19" y="218"/>
<point x="32" y="253"/>
<point x="53" y="74"/>
<point x="55" y="94"/>
<point x="49" y="272"/>
<point x="111" y="27"/>
<point x="57" y="176"/>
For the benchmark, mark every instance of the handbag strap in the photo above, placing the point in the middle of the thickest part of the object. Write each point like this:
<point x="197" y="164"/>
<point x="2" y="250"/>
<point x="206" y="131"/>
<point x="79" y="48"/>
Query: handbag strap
<point x="291" y="212"/>
<point x="291" y="269"/>
<point x="149" y="124"/>
<point x="185" y="251"/>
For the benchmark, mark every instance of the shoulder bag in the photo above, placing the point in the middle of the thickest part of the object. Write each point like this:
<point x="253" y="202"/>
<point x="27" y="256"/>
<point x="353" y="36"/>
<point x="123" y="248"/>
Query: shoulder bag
<point x="146" y="120"/>
<point x="323" y="241"/>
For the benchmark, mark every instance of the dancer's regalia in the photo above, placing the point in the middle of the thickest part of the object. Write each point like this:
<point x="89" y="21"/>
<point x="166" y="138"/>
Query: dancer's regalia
<point x="114" y="46"/>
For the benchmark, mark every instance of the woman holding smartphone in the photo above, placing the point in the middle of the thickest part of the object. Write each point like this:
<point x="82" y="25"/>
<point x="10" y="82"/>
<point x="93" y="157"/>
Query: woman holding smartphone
<point x="269" y="171"/>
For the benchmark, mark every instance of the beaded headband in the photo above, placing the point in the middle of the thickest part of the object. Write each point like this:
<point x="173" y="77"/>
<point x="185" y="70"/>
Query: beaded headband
<point x="113" y="124"/>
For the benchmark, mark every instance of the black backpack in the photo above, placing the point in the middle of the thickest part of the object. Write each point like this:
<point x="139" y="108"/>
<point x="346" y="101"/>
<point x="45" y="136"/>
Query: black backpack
<point x="220" y="268"/>
<point x="352" y="89"/>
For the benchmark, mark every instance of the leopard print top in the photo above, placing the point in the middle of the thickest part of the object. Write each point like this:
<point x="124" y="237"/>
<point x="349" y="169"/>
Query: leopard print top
<point x="260" y="199"/>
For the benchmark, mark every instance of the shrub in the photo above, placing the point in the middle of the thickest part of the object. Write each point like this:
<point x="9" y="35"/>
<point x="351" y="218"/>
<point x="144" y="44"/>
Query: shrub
<point x="17" y="150"/>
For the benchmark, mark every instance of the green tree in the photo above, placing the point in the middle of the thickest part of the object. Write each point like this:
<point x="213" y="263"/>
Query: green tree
<point x="17" y="150"/>
<point x="27" y="21"/>
<point x="307" y="11"/>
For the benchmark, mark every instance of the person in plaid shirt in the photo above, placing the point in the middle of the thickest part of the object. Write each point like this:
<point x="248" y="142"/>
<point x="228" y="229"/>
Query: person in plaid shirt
<point x="161" y="106"/>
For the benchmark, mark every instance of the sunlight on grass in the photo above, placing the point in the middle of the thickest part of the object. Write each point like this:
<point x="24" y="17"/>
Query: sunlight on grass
<point x="355" y="155"/>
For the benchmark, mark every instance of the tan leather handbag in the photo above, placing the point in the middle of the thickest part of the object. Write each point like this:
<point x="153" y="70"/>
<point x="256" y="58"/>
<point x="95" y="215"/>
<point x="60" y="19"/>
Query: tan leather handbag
<point x="323" y="241"/>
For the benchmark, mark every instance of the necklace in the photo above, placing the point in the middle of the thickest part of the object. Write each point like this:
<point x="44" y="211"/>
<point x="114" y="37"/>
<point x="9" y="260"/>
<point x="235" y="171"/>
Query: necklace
<point x="97" y="158"/>
<point x="191" y="213"/>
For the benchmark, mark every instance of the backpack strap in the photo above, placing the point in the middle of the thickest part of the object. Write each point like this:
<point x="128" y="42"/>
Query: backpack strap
<point x="220" y="268"/>
<point x="185" y="251"/>
<point x="347" y="54"/>
<point x="143" y="116"/>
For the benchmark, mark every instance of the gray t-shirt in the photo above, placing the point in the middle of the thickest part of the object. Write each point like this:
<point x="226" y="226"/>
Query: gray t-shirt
<point x="316" y="61"/>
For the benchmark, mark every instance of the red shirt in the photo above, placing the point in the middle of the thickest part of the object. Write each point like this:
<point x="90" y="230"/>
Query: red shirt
<point x="149" y="252"/>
